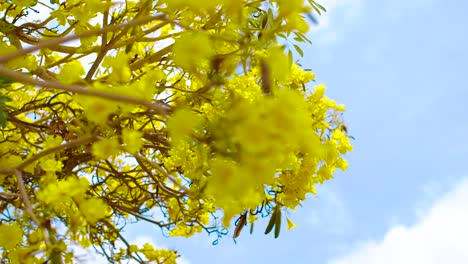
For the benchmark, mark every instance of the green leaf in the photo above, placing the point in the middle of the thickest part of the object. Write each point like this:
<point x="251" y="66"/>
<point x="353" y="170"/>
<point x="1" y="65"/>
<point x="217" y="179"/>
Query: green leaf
<point x="5" y="82"/>
<point x="303" y="37"/>
<point x="299" y="50"/>
<point x="281" y="35"/>
<point x="4" y="99"/>
<point x="3" y="118"/>
<point x="316" y="9"/>
<point x="321" y="7"/>
<point x="254" y="24"/>
<point x="298" y="39"/>
<point x="290" y="56"/>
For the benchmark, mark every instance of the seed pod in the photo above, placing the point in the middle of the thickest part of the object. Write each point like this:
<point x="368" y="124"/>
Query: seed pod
<point x="240" y="225"/>
<point x="266" y="82"/>
<point x="278" y="222"/>
<point x="272" y="222"/>
<point x="264" y="20"/>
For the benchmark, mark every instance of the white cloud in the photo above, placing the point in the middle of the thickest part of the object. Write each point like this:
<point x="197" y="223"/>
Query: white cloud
<point x="440" y="236"/>
<point x="353" y="7"/>
<point x="330" y="214"/>
<point x="340" y="15"/>
<point x="349" y="9"/>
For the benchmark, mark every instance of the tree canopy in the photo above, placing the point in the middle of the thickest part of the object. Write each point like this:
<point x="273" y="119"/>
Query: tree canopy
<point x="190" y="115"/>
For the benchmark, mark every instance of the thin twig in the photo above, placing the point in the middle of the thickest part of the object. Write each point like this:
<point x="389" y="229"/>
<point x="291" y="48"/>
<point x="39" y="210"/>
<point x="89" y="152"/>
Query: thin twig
<point x="163" y="171"/>
<point x="161" y="185"/>
<point x="4" y="195"/>
<point x="56" y="41"/>
<point x="140" y="216"/>
<point x="46" y="152"/>
<point x="152" y="58"/>
<point x="81" y="90"/>
<point x="24" y="196"/>
<point x="27" y="204"/>
<point x="71" y="144"/>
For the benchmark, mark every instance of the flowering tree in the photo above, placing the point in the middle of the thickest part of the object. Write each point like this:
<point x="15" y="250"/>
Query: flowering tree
<point x="190" y="115"/>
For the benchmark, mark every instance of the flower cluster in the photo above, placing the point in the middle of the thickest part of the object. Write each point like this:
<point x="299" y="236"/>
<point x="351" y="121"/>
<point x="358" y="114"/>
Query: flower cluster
<point x="189" y="115"/>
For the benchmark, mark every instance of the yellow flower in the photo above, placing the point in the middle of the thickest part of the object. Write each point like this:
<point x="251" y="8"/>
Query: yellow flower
<point x="191" y="50"/>
<point x="93" y="210"/>
<point x="341" y="164"/>
<point x="319" y="90"/>
<point x="278" y="63"/>
<point x="291" y="225"/>
<point x="11" y="235"/>
<point x="297" y="22"/>
<point x="182" y="123"/>
<point x="120" y="71"/>
<point x="288" y="7"/>
<point x="97" y="109"/>
<point x="51" y="165"/>
<point x="58" y="192"/>
<point x="105" y="148"/>
<point x="158" y="255"/>
<point x="132" y="139"/>
<point x="71" y="73"/>
<point x="340" y="107"/>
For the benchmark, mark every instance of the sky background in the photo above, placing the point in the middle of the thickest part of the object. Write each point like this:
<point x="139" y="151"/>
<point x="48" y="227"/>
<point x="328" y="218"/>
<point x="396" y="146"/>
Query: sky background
<point x="401" y="69"/>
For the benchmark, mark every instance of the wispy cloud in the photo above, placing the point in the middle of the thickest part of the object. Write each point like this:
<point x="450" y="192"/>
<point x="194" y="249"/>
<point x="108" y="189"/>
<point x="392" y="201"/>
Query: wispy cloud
<point x="348" y="9"/>
<point x="441" y="236"/>
<point x="330" y="214"/>
<point x="340" y="15"/>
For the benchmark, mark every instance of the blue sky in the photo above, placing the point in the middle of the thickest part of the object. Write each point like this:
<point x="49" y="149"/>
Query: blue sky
<point x="401" y="68"/>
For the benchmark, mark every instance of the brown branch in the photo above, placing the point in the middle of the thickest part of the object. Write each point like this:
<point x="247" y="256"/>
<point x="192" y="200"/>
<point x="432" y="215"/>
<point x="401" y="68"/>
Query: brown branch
<point x="104" y="49"/>
<point x="27" y="204"/>
<point x="24" y="196"/>
<point x="163" y="171"/>
<point x="105" y="23"/>
<point x="150" y="59"/>
<point x="161" y="185"/>
<point x="121" y="208"/>
<point x="157" y="107"/>
<point x="71" y="144"/>
<point x="8" y="196"/>
<point x="56" y="41"/>
<point x="44" y="153"/>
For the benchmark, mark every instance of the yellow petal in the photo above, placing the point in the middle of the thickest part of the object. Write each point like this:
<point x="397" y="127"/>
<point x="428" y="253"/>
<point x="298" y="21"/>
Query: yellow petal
<point x="291" y="225"/>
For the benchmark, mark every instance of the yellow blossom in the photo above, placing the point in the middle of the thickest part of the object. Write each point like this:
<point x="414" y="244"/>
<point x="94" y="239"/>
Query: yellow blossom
<point x="132" y="139"/>
<point x="93" y="209"/>
<point x="11" y="235"/>
<point x="71" y="73"/>
<point x="291" y="225"/>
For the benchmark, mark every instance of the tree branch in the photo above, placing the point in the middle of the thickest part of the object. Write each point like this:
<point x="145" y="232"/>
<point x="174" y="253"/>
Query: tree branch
<point x="56" y="41"/>
<point x="24" y="196"/>
<point x="44" y="153"/>
<point x="159" y="108"/>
